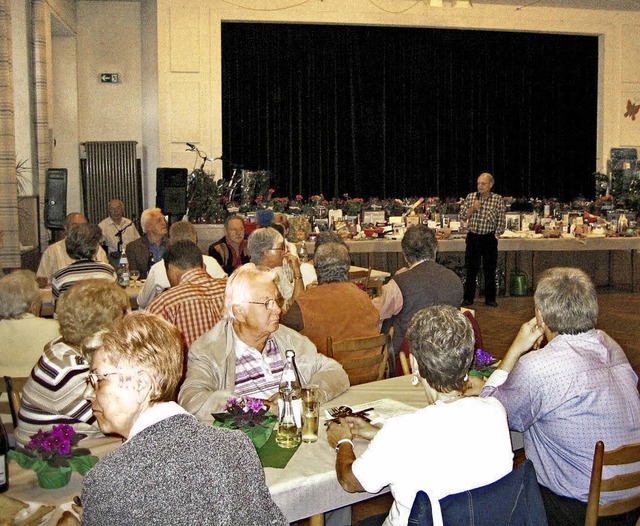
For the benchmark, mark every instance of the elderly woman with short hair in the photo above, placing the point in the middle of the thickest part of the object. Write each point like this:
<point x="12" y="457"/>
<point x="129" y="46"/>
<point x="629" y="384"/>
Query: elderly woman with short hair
<point x="82" y="244"/>
<point x="22" y="332"/>
<point x="267" y="248"/>
<point x="168" y="456"/>
<point x="316" y="314"/>
<point x="443" y="440"/>
<point x="244" y="354"/>
<point x="54" y="392"/>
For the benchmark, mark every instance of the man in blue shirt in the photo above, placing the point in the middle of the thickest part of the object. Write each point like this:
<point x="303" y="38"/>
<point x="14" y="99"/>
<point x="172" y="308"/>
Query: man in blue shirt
<point x="577" y="389"/>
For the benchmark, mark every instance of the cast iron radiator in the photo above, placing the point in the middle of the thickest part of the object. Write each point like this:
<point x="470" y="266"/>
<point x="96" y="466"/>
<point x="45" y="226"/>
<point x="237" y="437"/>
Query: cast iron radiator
<point x="111" y="170"/>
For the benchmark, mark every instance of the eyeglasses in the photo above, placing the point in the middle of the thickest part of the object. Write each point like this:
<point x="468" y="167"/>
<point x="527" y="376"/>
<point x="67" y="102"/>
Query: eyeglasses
<point x="278" y="248"/>
<point x="268" y="304"/>
<point x="93" y="379"/>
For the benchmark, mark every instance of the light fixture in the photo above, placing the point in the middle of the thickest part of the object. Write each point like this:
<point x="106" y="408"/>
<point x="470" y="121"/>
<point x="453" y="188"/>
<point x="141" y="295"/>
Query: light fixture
<point x="436" y="3"/>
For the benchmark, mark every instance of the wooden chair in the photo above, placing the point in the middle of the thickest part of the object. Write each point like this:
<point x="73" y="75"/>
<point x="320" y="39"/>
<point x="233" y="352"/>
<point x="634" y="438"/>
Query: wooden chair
<point x="361" y="276"/>
<point x="513" y="499"/>
<point x="11" y="388"/>
<point x="364" y="359"/>
<point x="623" y="455"/>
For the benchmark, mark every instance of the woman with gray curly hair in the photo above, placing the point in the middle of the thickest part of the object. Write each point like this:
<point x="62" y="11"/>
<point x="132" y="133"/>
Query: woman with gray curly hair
<point x="82" y="244"/>
<point x="441" y="439"/>
<point x="22" y="332"/>
<point x="54" y="393"/>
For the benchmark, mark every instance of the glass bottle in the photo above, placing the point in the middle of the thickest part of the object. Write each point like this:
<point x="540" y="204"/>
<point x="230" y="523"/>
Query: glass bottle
<point x="123" y="271"/>
<point x="4" y="459"/>
<point x="303" y="255"/>
<point x="288" y="434"/>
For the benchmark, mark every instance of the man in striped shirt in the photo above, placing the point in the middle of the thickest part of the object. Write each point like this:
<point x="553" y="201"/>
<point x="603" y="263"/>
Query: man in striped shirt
<point x="195" y="301"/>
<point x="244" y="354"/>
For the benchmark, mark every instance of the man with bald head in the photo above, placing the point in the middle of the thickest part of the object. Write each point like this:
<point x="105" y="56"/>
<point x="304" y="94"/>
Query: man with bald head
<point x="485" y="213"/>
<point x="147" y="250"/>
<point x="117" y="230"/>
<point x="55" y="256"/>
<point x="157" y="280"/>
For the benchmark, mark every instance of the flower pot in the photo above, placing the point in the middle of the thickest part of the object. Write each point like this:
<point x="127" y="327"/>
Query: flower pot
<point x="53" y="478"/>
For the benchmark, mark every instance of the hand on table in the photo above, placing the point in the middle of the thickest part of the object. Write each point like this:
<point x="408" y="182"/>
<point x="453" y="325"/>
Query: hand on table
<point x="337" y="430"/>
<point x="361" y="428"/>
<point x="272" y="403"/>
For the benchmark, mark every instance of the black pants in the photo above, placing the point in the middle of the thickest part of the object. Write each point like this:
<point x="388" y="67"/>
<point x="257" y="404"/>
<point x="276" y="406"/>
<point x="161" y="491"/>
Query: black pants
<point x="481" y="247"/>
<point x="563" y="511"/>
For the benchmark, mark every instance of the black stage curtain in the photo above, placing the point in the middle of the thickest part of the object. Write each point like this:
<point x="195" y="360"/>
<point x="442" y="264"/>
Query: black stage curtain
<point x="391" y="112"/>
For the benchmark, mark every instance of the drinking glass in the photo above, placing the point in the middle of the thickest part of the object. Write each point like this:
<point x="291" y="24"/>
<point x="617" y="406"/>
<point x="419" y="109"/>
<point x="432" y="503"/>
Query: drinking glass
<point x="310" y="413"/>
<point x="135" y="276"/>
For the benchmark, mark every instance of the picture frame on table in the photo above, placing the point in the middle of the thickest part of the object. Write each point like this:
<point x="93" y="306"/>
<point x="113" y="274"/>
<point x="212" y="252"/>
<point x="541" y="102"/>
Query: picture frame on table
<point x="513" y="221"/>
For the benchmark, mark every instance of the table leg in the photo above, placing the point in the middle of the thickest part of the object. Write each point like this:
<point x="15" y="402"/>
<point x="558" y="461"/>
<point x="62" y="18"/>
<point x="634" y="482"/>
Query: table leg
<point x="631" y="264"/>
<point x="316" y="520"/>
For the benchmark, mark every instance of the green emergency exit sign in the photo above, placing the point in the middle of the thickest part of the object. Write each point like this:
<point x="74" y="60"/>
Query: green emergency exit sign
<point x="109" y="78"/>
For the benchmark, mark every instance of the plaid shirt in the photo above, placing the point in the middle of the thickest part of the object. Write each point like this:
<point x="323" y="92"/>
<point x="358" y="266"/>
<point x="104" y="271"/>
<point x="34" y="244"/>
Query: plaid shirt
<point x="257" y="374"/>
<point x="490" y="219"/>
<point x="194" y="305"/>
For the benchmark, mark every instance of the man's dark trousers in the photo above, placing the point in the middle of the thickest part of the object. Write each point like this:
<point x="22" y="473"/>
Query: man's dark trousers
<point x="485" y="247"/>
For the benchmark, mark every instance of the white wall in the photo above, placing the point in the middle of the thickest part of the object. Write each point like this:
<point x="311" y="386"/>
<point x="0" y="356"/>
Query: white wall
<point x="109" y="41"/>
<point x="64" y="116"/>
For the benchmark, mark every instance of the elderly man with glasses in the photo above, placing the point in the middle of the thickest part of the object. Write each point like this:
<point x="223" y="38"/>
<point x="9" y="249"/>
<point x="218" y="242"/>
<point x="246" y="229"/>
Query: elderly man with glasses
<point x="244" y="354"/>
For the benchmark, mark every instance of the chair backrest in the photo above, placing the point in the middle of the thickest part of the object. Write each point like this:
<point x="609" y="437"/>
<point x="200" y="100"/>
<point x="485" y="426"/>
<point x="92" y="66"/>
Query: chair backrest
<point x="363" y="359"/>
<point x="361" y="276"/>
<point x="623" y="455"/>
<point x="12" y="388"/>
<point x="513" y="500"/>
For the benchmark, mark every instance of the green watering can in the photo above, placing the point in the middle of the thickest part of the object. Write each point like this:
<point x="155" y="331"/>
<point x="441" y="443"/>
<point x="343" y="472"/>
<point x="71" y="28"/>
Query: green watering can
<point x="519" y="285"/>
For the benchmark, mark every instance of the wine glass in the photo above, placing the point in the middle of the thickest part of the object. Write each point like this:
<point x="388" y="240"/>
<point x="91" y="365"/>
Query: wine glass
<point x="135" y="276"/>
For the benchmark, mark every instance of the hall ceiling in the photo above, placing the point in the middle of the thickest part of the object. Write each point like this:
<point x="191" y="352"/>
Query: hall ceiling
<point x="610" y="5"/>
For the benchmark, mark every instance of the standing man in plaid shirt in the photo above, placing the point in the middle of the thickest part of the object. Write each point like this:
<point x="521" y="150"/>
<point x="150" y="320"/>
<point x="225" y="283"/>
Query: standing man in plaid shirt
<point x="485" y="213"/>
<point x="195" y="301"/>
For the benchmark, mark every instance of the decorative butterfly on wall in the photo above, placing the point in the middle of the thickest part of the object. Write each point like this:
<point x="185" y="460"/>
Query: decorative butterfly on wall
<point x="632" y="110"/>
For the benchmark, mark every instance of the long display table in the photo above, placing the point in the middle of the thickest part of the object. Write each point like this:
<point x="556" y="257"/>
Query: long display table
<point x="610" y="261"/>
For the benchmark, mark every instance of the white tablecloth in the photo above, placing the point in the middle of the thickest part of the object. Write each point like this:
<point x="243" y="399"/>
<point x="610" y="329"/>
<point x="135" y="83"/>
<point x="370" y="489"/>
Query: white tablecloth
<point x="307" y="486"/>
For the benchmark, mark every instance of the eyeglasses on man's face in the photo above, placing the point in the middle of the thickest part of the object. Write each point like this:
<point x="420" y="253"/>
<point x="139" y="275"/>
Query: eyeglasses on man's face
<point x="94" y="379"/>
<point x="269" y="304"/>
<point x="278" y="248"/>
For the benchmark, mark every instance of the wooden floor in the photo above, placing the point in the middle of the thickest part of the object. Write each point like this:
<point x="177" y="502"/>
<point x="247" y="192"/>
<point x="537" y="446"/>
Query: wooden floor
<point x="619" y="317"/>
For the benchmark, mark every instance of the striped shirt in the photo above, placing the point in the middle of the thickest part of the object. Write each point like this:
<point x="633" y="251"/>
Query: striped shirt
<point x="54" y="394"/>
<point x="257" y="374"/>
<point x="78" y="271"/>
<point x="490" y="219"/>
<point x="194" y="305"/>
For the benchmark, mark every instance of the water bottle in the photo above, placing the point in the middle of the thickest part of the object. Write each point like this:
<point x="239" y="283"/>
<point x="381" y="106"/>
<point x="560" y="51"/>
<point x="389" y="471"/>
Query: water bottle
<point x="288" y="434"/>
<point x="123" y="271"/>
<point x="303" y="255"/>
<point x="4" y="459"/>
